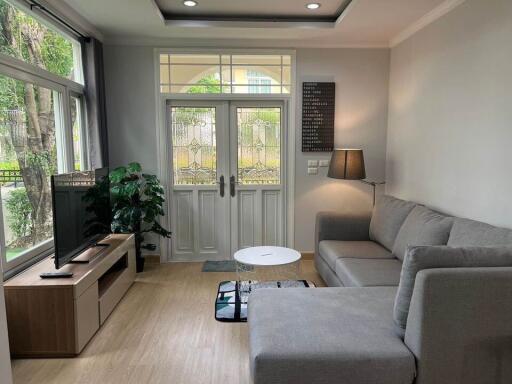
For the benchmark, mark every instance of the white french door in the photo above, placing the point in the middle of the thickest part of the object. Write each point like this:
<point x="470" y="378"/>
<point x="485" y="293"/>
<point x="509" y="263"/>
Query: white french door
<point x="227" y="177"/>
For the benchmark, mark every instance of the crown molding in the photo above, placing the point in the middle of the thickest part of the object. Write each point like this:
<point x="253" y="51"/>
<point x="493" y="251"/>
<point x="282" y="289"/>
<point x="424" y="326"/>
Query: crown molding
<point x="438" y="12"/>
<point x="233" y="43"/>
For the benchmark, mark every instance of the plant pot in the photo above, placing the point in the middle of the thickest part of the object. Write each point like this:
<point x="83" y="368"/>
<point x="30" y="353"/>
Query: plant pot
<point x="139" y="263"/>
<point x="139" y="259"/>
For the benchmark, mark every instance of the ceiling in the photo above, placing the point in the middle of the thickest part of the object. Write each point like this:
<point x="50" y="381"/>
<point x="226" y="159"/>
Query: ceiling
<point x="276" y="9"/>
<point x="364" y="23"/>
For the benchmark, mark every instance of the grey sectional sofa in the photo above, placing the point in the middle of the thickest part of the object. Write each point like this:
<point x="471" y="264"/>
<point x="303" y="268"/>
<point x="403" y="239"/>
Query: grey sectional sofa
<point x="414" y="297"/>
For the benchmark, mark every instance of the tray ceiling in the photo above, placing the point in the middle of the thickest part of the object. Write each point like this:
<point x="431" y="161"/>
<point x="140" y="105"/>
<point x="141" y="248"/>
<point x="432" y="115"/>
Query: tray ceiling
<point x="261" y="10"/>
<point x="364" y="23"/>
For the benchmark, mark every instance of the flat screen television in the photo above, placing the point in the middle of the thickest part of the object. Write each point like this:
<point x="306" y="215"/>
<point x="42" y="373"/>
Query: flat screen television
<point x="81" y="212"/>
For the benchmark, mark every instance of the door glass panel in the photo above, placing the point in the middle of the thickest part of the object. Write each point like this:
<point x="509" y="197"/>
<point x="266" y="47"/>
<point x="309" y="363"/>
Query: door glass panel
<point x="194" y="145"/>
<point x="30" y="122"/>
<point x="259" y="145"/>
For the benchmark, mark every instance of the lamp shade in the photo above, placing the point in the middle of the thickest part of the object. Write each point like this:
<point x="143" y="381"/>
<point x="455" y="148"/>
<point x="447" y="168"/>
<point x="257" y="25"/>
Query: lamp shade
<point x="347" y="164"/>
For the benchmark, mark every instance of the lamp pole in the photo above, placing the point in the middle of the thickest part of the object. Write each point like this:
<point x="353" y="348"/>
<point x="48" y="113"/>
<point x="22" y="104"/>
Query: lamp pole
<point x="374" y="185"/>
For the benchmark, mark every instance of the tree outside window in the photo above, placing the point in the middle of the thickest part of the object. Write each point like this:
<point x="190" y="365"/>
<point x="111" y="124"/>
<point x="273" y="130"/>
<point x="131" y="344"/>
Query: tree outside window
<point x="29" y="122"/>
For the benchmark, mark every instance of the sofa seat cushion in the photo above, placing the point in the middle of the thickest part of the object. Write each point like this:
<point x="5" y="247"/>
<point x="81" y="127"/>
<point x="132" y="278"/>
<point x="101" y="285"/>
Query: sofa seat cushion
<point x="388" y="216"/>
<point x="470" y="233"/>
<point x="332" y="250"/>
<point x="326" y="335"/>
<point x="422" y="227"/>
<point x="368" y="272"/>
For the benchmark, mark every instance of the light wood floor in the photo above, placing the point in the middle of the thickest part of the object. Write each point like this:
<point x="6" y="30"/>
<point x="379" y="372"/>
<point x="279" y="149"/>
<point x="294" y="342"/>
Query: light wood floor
<point x="163" y="331"/>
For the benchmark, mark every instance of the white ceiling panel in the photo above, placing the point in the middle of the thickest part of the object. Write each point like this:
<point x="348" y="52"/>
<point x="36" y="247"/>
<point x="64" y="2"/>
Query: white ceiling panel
<point x="364" y="22"/>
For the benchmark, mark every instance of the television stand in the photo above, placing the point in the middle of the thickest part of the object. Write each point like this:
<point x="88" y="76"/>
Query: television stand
<point x="58" y="317"/>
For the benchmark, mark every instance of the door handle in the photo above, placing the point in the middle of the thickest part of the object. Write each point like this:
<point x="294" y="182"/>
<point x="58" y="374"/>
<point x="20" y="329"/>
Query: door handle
<point x="222" y="186"/>
<point x="232" y="186"/>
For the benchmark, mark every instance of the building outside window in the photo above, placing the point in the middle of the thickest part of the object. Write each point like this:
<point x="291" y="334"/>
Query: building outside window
<point x="258" y="82"/>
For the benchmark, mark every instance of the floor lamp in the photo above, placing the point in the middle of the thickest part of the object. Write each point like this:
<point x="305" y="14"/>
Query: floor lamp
<point x="348" y="164"/>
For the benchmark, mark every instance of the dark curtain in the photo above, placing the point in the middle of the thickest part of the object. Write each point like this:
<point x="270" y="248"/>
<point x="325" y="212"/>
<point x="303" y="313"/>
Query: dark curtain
<point x="94" y="76"/>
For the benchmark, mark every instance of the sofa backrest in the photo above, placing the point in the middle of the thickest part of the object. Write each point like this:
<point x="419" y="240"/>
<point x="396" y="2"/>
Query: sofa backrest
<point x="470" y="233"/>
<point x="388" y="216"/>
<point x="423" y="226"/>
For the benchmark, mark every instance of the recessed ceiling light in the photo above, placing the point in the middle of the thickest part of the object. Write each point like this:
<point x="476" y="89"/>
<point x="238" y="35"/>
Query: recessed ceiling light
<point x="313" y="5"/>
<point x="190" y="3"/>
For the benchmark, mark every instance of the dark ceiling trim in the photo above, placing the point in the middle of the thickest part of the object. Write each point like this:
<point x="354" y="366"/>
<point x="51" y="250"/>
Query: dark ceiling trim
<point x="181" y="17"/>
<point x="331" y="19"/>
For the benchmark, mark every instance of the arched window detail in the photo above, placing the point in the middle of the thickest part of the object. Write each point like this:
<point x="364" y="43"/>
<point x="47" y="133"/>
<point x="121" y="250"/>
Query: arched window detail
<point x="225" y="73"/>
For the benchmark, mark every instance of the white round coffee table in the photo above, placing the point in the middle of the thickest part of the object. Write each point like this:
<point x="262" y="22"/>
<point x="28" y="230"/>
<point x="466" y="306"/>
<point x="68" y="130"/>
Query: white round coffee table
<point x="267" y="256"/>
<point x="275" y="263"/>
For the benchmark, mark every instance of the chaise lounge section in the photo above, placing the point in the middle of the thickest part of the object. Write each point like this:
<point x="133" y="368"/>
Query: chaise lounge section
<point x="416" y="296"/>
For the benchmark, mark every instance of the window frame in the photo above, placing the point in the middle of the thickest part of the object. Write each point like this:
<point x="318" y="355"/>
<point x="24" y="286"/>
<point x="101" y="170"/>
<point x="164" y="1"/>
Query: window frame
<point x="66" y="88"/>
<point x="84" y="140"/>
<point x="230" y="52"/>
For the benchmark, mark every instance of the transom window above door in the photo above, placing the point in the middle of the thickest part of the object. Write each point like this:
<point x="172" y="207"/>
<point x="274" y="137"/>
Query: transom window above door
<point x="225" y="73"/>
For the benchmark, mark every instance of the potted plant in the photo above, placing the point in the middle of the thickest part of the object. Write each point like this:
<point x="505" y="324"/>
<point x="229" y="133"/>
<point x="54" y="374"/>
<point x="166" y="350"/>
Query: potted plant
<point x="137" y="203"/>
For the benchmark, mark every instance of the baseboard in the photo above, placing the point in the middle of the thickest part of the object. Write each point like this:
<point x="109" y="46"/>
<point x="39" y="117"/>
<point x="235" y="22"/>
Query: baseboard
<point x="155" y="259"/>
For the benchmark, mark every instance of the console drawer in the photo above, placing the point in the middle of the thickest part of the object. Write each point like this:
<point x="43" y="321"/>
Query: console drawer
<point x="116" y="290"/>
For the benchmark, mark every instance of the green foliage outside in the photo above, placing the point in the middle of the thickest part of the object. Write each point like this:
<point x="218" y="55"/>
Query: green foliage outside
<point x="27" y="122"/>
<point x="208" y="84"/>
<point x="19" y="211"/>
<point x="9" y="165"/>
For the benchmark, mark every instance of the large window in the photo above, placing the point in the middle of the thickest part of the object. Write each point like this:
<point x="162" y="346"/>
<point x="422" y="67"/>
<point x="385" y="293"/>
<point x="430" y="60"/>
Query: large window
<point x="41" y="128"/>
<point x="225" y="73"/>
<point x="28" y="156"/>
<point x="26" y="38"/>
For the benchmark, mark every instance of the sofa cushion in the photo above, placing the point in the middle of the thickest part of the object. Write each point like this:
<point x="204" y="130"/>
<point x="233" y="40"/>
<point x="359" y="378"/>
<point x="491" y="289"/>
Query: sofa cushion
<point x="327" y="273"/>
<point x="332" y="250"/>
<point x="326" y="335"/>
<point x="419" y="258"/>
<point x="388" y="216"/>
<point x="368" y="272"/>
<point x="422" y="227"/>
<point x="470" y="233"/>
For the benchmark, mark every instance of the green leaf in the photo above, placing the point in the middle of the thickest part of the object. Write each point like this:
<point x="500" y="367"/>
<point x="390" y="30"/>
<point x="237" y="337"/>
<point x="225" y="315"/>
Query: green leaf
<point x="137" y="201"/>
<point x="134" y="168"/>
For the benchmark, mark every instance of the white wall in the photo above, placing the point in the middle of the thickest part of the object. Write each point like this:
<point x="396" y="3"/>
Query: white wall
<point x="450" y="113"/>
<point x="361" y="78"/>
<point x="131" y="106"/>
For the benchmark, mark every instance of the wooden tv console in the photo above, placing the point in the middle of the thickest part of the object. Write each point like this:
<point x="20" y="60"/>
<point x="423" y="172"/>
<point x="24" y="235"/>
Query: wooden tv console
<point x="58" y="317"/>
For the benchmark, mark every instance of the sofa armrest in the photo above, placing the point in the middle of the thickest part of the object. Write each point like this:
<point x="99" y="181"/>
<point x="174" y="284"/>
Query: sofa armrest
<point x="459" y="325"/>
<point x="342" y="226"/>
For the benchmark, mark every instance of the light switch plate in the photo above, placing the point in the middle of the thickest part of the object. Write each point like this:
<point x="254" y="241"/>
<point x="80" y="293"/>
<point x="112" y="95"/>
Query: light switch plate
<point x="312" y="163"/>
<point x="312" y="171"/>
<point x="324" y="163"/>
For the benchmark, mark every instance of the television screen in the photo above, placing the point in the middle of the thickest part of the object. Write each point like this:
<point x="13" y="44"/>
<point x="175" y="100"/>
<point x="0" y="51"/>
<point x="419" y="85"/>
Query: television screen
<point x="81" y="212"/>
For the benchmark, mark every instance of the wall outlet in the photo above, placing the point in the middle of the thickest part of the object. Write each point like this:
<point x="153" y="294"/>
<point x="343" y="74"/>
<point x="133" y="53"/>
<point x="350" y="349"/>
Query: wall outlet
<point x="312" y="171"/>
<point x="324" y="163"/>
<point x="312" y="163"/>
